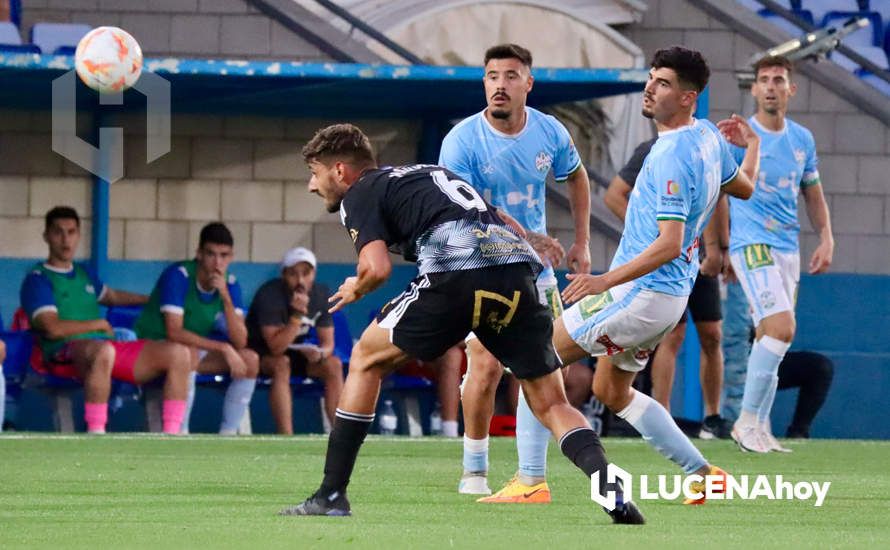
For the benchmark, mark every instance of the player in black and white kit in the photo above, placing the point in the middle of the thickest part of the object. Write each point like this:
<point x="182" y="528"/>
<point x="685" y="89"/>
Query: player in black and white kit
<point x="476" y="273"/>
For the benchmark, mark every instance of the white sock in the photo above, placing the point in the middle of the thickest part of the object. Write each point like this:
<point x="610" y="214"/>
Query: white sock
<point x="449" y="428"/>
<point x="475" y="454"/>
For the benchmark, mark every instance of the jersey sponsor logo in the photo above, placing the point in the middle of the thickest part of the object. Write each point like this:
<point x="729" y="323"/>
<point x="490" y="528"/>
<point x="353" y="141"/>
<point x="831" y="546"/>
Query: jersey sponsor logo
<point x="90" y="289"/>
<point x="696" y="243"/>
<point x="353" y="234"/>
<point x="591" y="305"/>
<point x="758" y="255"/>
<point x="518" y="197"/>
<point x="543" y="162"/>
<point x="491" y="318"/>
<point x="611" y="347"/>
<point x="553" y="301"/>
<point x="767" y="299"/>
<point x="643" y="354"/>
<point x="672" y="188"/>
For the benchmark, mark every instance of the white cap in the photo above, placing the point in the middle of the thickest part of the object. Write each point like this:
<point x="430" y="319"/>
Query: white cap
<point x="297" y="255"/>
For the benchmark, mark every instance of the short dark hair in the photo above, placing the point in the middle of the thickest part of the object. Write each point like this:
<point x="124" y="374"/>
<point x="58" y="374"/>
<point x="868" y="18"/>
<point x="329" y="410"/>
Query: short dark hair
<point x="773" y="61"/>
<point x="690" y="66"/>
<point x="215" y="233"/>
<point x="60" y="213"/>
<point x="342" y="141"/>
<point x="509" y="51"/>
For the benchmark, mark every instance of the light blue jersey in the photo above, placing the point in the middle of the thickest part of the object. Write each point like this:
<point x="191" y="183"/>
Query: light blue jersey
<point x="788" y="162"/>
<point x="680" y="180"/>
<point x="510" y="172"/>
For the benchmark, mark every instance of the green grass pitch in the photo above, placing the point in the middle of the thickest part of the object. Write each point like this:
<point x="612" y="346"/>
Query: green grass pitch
<point x="210" y="492"/>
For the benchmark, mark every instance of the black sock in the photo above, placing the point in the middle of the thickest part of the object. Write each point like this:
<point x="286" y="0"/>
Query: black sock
<point x="346" y="439"/>
<point x="582" y="446"/>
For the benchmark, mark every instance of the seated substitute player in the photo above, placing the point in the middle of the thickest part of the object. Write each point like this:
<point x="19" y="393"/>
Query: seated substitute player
<point x="278" y="322"/>
<point x="626" y="311"/>
<point x="61" y="299"/>
<point x="198" y="303"/>
<point x="474" y="274"/>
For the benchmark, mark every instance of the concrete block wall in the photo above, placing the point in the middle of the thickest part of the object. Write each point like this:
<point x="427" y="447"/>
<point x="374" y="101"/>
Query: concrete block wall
<point x="184" y="28"/>
<point x="245" y="171"/>
<point x="854" y="148"/>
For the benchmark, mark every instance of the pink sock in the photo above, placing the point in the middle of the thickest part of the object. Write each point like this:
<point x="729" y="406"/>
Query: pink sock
<point x="172" y="414"/>
<point x="96" y="416"/>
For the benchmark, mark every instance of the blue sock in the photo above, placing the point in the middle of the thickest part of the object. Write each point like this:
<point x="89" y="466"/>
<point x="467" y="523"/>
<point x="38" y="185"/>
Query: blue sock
<point x="658" y="429"/>
<point x="532" y="438"/>
<point x="235" y="403"/>
<point x="189" y="401"/>
<point x="2" y="398"/>
<point x="475" y="454"/>
<point x="763" y="365"/>
<point x="767" y="406"/>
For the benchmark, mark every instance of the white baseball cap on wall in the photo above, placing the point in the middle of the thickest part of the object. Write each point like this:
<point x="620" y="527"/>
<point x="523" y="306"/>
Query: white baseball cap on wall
<point x="297" y="255"/>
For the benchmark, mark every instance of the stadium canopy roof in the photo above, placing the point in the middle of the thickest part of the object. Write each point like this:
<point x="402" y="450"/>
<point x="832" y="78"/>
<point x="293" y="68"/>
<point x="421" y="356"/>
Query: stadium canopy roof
<point x="284" y="88"/>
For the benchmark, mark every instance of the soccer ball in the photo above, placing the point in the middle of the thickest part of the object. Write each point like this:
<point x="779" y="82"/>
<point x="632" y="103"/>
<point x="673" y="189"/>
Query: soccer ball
<point x="108" y="60"/>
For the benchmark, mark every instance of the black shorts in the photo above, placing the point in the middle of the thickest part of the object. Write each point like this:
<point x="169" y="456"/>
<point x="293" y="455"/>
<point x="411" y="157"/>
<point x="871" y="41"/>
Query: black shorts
<point x="499" y="304"/>
<point x="704" y="302"/>
<point x="298" y="363"/>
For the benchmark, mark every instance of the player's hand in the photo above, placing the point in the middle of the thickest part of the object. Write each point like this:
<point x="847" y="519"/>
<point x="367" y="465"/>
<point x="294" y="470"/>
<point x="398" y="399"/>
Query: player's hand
<point x="547" y="247"/>
<point x="237" y="366"/>
<point x="105" y="326"/>
<point x="299" y="302"/>
<point x="728" y="272"/>
<point x="346" y="294"/>
<point x="583" y="284"/>
<point x="579" y="258"/>
<point x="822" y="257"/>
<point x="218" y="281"/>
<point x="737" y="131"/>
<point x="712" y="264"/>
<point x="511" y="221"/>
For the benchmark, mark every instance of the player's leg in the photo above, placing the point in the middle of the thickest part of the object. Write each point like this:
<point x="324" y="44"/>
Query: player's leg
<point x="278" y="368"/>
<point x="705" y="310"/>
<point x="448" y="387"/>
<point x="812" y="373"/>
<point x="145" y="360"/>
<point x="373" y="357"/>
<point x="762" y="280"/>
<point x="94" y="361"/>
<point x="664" y="364"/>
<point x="480" y="384"/>
<point x="330" y="371"/>
<point x="737" y="330"/>
<point x="240" y="390"/>
<point x="578" y="379"/>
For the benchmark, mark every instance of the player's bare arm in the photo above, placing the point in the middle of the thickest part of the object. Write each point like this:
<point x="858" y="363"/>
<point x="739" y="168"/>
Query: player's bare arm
<point x="716" y="239"/>
<point x="820" y="219"/>
<point x="578" y="257"/>
<point x="113" y="297"/>
<point x="56" y="329"/>
<point x="666" y="247"/>
<point x="738" y="132"/>
<point x="374" y="268"/>
<point x="617" y="196"/>
<point x="237" y="328"/>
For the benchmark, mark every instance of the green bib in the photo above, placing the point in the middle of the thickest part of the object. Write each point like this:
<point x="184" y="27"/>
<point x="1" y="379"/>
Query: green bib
<point x="76" y="300"/>
<point x="199" y="311"/>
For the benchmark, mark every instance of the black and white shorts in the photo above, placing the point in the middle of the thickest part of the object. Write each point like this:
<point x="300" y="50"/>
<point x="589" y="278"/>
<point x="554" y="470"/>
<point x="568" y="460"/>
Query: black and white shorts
<point x="499" y="304"/>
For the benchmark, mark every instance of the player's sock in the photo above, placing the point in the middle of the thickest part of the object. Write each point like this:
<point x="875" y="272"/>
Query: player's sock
<point x="658" y="429"/>
<point x="346" y="439"/>
<point x="449" y="428"/>
<point x="582" y="446"/>
<point x="767" y="406"/>
<point x="2" y="398"/>
<point x="96" y="417"/>
<point x="763" y="364"/>
<point x="190" y="400"/>
<point x="475" y="455"/>
<point x="235" y="403"/>
<point x="532" y="438"/>
<point x="172" y="413"/>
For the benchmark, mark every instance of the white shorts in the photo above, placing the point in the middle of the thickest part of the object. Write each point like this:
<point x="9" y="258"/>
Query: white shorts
<point x="769" y="278"/>
<point x="625" y="323"/>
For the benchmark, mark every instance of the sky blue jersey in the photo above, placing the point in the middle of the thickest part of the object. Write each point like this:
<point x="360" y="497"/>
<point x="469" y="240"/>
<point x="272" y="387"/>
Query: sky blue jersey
<point x="510" y="172"/>
<point x="788" y="162"/>
<point x="680" y="180"/>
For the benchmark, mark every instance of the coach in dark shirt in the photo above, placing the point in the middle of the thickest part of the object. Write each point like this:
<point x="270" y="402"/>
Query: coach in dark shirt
<point x="283" y="311"/>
